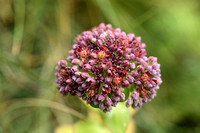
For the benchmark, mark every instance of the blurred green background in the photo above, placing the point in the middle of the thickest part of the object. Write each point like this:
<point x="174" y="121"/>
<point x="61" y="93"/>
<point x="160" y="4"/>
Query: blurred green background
<point x="35" y="34"/>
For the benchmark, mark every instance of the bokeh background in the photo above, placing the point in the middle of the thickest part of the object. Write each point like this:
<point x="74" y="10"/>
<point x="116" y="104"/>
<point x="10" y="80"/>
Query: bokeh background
<point x="35" y="34"/>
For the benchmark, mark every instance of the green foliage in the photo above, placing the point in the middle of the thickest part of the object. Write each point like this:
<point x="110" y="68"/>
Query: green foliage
<point x="117" y="121"/>
<point x="88" y="126"/>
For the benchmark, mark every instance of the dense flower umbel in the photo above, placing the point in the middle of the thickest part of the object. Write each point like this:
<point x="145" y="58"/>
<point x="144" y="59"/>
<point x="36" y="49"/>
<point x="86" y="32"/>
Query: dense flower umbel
<point x="107" y="66"/>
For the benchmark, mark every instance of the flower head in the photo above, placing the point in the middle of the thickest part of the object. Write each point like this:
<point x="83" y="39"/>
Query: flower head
<point x="103" y="64"/>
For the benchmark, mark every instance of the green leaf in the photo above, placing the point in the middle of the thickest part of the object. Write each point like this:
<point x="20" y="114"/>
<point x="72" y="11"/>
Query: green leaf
<point x="127" y="91"/>
<point x="64" y="129"/>
<point x="90" y="126"/>
<point x="117" y="120"/>
<point x="95" y="106"/>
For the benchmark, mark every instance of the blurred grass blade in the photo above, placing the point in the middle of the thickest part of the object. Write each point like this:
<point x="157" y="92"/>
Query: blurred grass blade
<point x="108" y="10"/>
<point x="19" y="7"/>
<point x="34" y="102"/>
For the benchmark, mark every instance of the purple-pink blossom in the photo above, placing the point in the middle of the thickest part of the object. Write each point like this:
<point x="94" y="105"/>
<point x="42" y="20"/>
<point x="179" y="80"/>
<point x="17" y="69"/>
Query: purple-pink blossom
<point x="103" y="64"/>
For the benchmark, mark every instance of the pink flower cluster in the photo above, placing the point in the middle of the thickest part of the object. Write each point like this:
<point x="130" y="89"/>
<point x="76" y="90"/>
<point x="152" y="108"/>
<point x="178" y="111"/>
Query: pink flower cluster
<point x="106" y="66"/>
